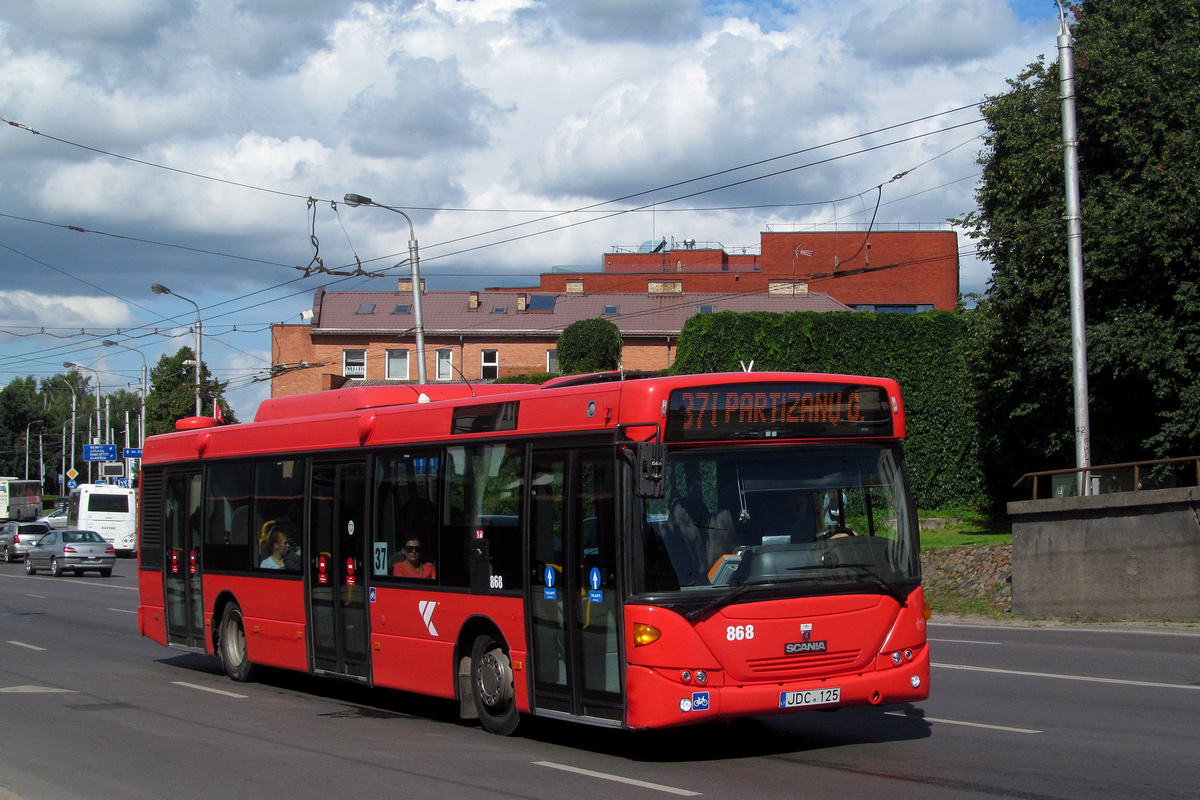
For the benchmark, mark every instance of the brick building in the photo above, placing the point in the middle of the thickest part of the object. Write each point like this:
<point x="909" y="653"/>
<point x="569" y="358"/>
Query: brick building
<point x="647" y="292"/>
<point x="906" y="271"/>
<point x="368" y="336"/>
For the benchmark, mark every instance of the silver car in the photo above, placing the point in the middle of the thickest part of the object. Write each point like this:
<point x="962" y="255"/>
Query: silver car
<point x="55" y="519"/>
<point x="17" y="537"/>
<point x="71" y="551"/>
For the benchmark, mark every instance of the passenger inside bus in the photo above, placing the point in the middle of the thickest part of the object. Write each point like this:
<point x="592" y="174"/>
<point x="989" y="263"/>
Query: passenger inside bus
<point x="280" y="551"/>
<point x="412" y="565"/>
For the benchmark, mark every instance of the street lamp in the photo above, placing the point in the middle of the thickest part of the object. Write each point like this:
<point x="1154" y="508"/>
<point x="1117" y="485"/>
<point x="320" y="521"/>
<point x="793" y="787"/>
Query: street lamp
<point x="158" y="288"/>
<point x="142" y="418"/>
<point x="355" y="200"/>
<point x="74" y="400"/>
<point x="73" y="365"/>
<point x="27" y="427"/>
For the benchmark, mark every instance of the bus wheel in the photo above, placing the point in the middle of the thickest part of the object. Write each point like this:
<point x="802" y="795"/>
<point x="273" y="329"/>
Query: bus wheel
<point x="492" y="685"/>
<point x="232" y="645"/>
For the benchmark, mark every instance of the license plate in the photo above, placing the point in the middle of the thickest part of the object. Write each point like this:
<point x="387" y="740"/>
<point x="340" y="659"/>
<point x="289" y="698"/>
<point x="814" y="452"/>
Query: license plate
<point x="811" y="697"/>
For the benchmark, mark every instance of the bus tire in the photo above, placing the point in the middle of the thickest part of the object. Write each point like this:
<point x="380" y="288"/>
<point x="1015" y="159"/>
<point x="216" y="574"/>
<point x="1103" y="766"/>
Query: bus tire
<point x="232" y="645"/>
<point x="492" y="686"/>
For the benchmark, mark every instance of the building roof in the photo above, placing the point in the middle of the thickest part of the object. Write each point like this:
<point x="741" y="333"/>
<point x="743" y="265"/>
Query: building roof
<point x="450" y="312"/>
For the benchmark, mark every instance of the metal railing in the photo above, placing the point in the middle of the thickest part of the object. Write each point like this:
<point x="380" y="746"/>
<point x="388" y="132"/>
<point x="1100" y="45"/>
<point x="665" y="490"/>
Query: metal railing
<point x="1093" y="477"/>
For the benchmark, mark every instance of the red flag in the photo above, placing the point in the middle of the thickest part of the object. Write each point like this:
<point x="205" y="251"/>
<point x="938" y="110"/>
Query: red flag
<point x="217" y="415"/>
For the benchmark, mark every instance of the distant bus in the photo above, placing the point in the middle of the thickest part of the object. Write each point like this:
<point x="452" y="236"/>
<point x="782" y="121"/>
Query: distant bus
<point x="20" y="500"/>
<point x="110" y="511"/>
<point x="622" y="551"/>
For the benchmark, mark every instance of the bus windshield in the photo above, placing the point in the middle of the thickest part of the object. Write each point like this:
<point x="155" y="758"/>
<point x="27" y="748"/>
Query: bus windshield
<point x="816" y="519"/>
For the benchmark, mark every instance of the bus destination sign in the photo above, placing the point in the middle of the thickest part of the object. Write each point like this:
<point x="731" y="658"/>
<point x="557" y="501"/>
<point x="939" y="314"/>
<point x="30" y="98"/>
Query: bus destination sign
<point x="778" y="410"/>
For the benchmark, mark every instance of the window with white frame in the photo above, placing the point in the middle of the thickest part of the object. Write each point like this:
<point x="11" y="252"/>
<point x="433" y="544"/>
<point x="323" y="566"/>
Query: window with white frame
<point x="354" y="363"/>
<point x="489" y="365"/>
<point x="397" y="365"/>
<point x="445" y="364"/>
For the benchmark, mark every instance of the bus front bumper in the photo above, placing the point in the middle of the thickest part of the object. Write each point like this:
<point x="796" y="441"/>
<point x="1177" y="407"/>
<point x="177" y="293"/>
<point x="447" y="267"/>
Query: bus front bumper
<point x="659" y="698"/>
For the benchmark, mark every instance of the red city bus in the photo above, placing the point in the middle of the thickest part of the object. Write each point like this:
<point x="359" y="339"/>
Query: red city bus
<point x="630" y="552"/>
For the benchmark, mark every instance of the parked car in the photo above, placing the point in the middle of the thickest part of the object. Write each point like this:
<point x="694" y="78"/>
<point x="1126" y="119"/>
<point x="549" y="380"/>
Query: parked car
<point x="71" y="550"/>
<point x="17" y="537"/>
<point x="56" y="519"/>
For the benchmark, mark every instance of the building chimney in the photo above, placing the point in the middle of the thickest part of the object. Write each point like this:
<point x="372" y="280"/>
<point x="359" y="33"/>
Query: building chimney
<point x="473" y="303"/>
<point x="522" y="302"/>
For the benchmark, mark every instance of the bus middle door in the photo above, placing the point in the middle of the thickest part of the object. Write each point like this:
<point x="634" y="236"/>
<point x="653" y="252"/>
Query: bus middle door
<point x="336" y="550"/>
<point x="575" y="608"/>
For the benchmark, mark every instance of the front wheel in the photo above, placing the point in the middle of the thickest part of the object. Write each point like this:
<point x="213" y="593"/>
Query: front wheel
<point x="7" y="556"/>
<point x="492" y="685"/>
<point x="29" y="570"/>
<point x="233" y="645"/>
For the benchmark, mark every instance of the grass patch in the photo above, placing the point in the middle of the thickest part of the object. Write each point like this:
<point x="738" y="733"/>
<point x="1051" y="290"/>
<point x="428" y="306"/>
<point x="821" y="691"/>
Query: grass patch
<point x="961" y="605"/>
<point x="964" y="529"/>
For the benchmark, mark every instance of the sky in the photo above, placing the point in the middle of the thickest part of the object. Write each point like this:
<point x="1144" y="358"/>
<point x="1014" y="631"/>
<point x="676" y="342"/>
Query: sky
<point x="206" y="145"/>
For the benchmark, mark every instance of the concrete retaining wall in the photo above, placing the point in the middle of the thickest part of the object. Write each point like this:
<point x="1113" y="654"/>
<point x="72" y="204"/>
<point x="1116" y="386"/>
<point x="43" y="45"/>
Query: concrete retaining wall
<point x="1133" y="555"/>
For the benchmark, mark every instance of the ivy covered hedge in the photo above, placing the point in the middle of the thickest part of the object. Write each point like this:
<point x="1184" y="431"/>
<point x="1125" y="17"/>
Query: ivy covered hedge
<point x="922" y="352"/>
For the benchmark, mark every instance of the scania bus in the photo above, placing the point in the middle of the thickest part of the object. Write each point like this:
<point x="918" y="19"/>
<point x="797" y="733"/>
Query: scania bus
<point x="630" y="552"/>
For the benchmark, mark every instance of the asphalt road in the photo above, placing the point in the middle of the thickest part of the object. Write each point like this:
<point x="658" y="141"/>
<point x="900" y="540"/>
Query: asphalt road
<point x="90" y="710"/>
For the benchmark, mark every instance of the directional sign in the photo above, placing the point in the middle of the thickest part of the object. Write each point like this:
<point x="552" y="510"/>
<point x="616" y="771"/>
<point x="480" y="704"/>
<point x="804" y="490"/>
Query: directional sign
<point x="99" y="452"/>
<point x="131" y="452"/>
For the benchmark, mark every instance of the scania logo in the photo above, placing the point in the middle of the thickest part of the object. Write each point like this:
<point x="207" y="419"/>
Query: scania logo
<point x="806" y="631"/>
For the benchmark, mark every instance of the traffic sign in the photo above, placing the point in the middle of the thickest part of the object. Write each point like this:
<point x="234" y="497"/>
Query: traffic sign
<point x="99" y="452"/>
<point x="72" y="473"/>
<point x="71" y="484"/>
<point x="131" y="452"/>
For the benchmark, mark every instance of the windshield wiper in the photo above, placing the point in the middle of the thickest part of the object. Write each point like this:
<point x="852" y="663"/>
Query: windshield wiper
<point x="718" y="602"/>
<point x="889" y="588"/>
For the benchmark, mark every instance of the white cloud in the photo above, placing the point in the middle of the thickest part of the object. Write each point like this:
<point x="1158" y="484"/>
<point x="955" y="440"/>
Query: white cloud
<point x="933" y="32"/>
<point x="24" y="309"/>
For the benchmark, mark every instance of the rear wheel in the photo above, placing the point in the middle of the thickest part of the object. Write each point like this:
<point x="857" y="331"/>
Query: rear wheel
<point x="55" y="568"/>
<point x="104" y="573"/>
<point x="233" y="645"/>
<point x="29" y="570"/>
<point x="7" y="555"/>
<point x="492" y="685"/>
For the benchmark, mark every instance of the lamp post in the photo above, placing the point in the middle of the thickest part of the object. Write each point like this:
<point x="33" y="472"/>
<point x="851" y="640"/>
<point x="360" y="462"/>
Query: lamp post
<point x="355" y="200"/>
<point x="73" y="365"/>
<point x="158" y="288"/>
<point x="27" y="427"/>
<point x="74" y="400"/>
<point x="142" y="418"/>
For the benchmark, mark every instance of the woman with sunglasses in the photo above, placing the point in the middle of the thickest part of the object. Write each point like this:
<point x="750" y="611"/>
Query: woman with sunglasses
<point x="412" y="566"/>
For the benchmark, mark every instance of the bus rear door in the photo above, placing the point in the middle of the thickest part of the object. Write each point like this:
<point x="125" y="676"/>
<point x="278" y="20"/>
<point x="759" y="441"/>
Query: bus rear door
<point x="183" y="575"/>
<point x="575" y="608"/>
<point x="336" y="551"/>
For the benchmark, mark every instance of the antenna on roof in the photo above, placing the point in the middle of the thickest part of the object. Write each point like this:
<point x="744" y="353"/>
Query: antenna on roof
<point x="747" y="368"/>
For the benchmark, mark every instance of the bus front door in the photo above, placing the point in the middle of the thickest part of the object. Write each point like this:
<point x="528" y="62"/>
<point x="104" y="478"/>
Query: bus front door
<point x="184" y="572"/>
<point x="336" y="550"/>
<point x="575" y="608"/>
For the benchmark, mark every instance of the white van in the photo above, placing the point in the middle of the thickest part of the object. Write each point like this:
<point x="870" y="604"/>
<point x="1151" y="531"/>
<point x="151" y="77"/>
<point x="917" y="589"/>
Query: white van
<point x="110" y="511"/>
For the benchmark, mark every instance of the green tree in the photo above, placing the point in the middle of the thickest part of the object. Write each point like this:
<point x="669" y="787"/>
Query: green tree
<point x="19" y="408"/>
<point x="589" y="345"/>
<point x="172" y="393"/>
<point x="1138" y="111"/>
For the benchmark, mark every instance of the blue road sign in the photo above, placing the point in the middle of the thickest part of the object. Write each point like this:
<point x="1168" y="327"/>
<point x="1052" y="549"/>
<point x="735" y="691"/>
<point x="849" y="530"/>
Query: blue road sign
<point x="131" y="452"/>
<point x="71" y="484"/>
<point x="99" y="452"/>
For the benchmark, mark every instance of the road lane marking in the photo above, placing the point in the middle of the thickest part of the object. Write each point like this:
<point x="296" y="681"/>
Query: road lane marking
<point x="35" y="690"/>
<point x="28" y="646"/>
<point x="961" y="722"/>
<point x="1085" y="678"/>
<point x="658" y="787"/>
<point x="210" y="689"/>
<point x="962" y="641"/>
<point x="124" y="610"/>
